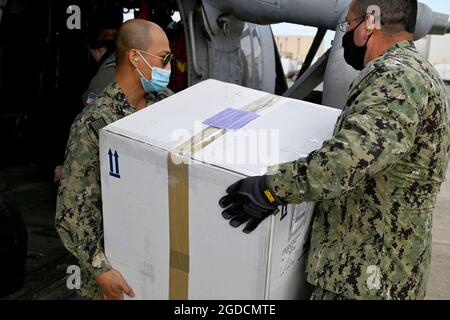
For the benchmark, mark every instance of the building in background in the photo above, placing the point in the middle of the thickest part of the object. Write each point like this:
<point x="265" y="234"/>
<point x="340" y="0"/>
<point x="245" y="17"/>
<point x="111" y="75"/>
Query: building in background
<point x="296" y="47"/>
<point x="293" y="51"/>
<point x="437" y="50"/>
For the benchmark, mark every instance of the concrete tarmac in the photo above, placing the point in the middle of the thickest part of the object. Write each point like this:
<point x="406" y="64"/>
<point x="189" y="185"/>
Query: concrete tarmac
<point x="439" y="281"/>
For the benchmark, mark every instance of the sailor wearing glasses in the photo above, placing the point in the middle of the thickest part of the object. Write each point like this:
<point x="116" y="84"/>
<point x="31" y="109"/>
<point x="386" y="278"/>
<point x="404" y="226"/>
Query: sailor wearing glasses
<point x="141" y="79"/>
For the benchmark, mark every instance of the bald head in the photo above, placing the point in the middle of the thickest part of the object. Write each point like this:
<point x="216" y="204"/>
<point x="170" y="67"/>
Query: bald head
<point x="137" y="34"/>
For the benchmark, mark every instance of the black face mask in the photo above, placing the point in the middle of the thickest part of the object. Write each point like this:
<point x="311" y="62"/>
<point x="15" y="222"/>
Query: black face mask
<point x="354" y="55"/>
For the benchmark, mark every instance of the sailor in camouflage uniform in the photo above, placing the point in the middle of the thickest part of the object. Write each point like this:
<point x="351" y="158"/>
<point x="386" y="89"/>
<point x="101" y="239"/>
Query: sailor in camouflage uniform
<point x="375" y="183"/>
<point x="79" y="206"/>
<point x="102" y="36"/>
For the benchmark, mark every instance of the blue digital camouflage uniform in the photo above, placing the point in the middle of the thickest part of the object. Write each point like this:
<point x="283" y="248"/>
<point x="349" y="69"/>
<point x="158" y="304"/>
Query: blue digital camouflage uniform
<point x="79" y="204"/>
<point x="375" y="183"/>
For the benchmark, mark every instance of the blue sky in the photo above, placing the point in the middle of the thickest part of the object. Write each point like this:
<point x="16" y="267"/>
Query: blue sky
<point x="291" y="29"/>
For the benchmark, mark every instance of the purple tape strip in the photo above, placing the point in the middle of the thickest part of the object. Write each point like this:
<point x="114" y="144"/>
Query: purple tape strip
<point x="231" y="119"/>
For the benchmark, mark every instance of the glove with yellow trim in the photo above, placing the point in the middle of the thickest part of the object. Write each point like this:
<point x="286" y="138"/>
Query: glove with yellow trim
<point x="251" y="200"/>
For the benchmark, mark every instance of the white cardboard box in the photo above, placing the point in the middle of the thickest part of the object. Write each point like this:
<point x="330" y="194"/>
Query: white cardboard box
<point x="163" y="226"/>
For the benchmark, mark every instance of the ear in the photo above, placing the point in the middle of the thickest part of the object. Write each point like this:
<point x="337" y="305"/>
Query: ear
<point x="375" y="12"/>
<point x="134" y="58"/>
<point x="370" y="23"/>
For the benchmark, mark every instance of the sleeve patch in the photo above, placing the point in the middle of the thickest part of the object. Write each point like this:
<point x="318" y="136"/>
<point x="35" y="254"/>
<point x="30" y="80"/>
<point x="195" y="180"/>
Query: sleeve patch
<point x="97" y="124"/>
<point x="91" y="98"/>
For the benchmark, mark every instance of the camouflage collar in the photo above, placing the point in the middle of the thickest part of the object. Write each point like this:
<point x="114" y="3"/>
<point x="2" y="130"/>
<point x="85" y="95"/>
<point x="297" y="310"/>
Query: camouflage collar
<point x="375" y="64"/>
<point x="155" y="97"/>
<point x="118" y="96"/>
<point x="116" y="93"/>
<point x="405" y="44"/>
<point x="151" y="97"/>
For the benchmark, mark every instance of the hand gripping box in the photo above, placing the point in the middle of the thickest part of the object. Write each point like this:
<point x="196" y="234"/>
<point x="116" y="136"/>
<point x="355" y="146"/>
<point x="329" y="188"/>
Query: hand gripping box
<point x="163" y="172"/>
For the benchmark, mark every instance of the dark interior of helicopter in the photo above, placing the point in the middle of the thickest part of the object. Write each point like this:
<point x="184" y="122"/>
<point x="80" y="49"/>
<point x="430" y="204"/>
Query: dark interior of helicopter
<point x="44" y="70"/>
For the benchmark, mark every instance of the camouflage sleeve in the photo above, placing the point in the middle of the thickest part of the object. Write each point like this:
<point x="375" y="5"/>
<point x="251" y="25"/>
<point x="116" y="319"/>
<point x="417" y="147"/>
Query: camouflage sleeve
<point x="78" y="213"/>
<point x="378" y="129"/>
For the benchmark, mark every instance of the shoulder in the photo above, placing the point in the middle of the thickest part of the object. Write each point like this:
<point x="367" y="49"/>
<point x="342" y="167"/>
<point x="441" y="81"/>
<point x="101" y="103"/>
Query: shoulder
<point x="99" y="109"/>
<point x="408" y="67"/>
<point x="95" y="116"/>
<point x="399" y="76"/>
<point x="103" y="77"/>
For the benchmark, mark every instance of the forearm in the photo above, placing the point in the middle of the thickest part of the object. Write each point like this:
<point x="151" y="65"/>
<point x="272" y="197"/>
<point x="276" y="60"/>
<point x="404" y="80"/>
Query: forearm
<point x="79" y="219"/>
<point x="367" y="145"/>
<point x="80" y="234"/>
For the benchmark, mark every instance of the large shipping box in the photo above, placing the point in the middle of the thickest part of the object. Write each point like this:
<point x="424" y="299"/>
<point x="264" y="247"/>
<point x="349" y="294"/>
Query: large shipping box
<point x="163" y="172"/>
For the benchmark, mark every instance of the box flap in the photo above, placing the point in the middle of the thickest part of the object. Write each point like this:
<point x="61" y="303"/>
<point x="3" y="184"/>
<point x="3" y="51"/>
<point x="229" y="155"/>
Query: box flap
<point x="273" y="137"/>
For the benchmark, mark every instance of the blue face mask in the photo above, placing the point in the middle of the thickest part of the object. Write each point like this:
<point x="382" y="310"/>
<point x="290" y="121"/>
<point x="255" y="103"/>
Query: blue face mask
<point x="160" y="78"/>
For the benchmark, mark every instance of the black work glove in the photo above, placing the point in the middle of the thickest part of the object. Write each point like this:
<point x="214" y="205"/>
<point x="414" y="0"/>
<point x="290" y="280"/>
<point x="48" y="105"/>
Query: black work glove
<point x="251" y="200"/>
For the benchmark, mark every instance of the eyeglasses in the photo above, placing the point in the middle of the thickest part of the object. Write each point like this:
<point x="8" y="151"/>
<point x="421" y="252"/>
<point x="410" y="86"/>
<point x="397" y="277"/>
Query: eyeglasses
<point x="168" y="58"/>
<point x="344" y="25"/>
